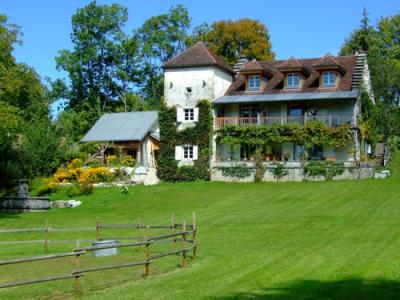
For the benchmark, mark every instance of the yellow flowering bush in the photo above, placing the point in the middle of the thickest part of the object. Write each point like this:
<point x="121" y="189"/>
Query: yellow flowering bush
<point x="76" y="173"/>
<point x="95" y="175"/>
<point x="75" y="163"/>
<point x="111" y="159"/>
<point x="128" y="161"/>
<point x="61" y="175"/>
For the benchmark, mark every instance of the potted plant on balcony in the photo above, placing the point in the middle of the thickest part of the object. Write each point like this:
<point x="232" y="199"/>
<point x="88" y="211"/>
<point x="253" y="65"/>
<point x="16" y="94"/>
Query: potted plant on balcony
<point x="286" y="156"/>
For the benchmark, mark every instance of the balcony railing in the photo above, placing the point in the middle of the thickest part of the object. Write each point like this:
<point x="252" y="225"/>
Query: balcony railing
<point x="330" y="120"/>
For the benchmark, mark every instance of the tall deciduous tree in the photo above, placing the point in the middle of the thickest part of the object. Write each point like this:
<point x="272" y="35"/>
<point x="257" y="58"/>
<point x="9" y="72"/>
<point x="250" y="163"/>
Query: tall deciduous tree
<point x="103" y="64"/>
<point x="382" y="44"/>
<point x="232" y="39"/>
<point x="161" y="38"/>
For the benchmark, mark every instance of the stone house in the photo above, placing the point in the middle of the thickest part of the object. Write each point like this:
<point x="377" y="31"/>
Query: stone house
<point x="269" y="92"/>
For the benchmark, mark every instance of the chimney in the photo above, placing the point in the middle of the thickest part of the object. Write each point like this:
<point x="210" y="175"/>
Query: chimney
<point x="239" y="64"/>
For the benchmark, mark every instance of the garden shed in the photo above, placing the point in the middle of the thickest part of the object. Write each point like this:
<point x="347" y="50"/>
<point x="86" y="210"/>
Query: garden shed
<point x="134" y="133"/>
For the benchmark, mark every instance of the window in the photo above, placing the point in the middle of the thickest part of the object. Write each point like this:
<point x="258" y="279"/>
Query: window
<point x="189" y="114"/>
<point x="328" y="79"/>
<point x="254" y="83"/>
<point x="188" y="89"/>
<point x="188" y="152"/>
<point x="249" y="111"/>
<point x="293" y="81"/>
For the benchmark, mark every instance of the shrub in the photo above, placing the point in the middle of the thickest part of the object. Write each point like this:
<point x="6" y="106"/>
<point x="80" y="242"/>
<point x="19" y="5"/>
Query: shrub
<point x="187" y="173"/>
<point x="112" y="159"/>
<point x="48" y="186"/>
<point x="128" y="161"/>
<point x="75" y="163"/>
<point x="279" y="171"/>
<point x="73" y="191"/>
<point x="95" y="175"/>
<point x="239" y="171"/>
<point x="327" y="169"/>
<point x="314" y="169"/>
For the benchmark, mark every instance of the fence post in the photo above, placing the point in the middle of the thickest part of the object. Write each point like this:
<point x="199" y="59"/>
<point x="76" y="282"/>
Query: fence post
<point x="98" y="229"/>
<point x="184" y="244"/>
<point x="173" y="231"/>
<point x="194" y="228"/>
<point x="78" y="289"/>
<point x="46" y="237"/>
<point x="139" y="236"/>
<point x="147" y="265"/>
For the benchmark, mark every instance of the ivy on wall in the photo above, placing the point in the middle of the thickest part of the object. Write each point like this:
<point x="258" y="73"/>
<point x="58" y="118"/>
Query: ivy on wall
<point x="313" y="133"/>
<point x="200" y="134"/>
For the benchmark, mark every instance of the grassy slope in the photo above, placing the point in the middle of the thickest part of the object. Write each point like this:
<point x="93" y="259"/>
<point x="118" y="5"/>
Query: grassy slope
<point x="323" y="240"/>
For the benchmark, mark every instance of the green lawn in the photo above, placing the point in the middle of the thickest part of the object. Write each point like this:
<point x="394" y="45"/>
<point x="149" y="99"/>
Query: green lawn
<point x="308" y="240"/>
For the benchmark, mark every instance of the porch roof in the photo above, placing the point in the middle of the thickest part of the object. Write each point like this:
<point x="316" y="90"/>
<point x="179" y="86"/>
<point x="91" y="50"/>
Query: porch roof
<point x="127" y="126"/>
<point x="287" y="97"/>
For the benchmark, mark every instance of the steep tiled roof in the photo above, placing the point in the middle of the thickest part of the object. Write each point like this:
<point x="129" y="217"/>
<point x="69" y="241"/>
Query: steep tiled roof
<point x="290" y="64"/>
<point x="328" y="61"/>
<point x="255" y="66"/>
<point x="197" y="56"/>
<point x="311" y="84"/>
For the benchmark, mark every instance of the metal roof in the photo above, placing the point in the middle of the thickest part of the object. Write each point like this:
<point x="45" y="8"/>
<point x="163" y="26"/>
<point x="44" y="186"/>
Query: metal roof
<point x="127" y="126"/>
<point x="155" y="135"/>
<point x="287" y="97"/>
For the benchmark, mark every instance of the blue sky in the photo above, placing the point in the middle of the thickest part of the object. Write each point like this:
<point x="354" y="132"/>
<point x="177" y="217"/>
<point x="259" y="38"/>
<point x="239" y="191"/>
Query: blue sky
<point x="300" y="28"/>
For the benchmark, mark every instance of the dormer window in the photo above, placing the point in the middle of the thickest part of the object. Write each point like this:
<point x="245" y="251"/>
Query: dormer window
<point x="329" y="79"/>
<point x="254" y="83"/>
<point x="293" y="81"/>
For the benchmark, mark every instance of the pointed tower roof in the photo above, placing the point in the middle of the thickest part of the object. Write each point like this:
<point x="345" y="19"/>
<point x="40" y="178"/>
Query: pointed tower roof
<point x="197" y="55"/>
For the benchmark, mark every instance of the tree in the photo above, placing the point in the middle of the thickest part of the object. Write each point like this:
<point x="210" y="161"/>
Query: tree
<point x="232" y="39"/>
<point x="103" y="64"/>
<point x="363" y="38"/>
<point x="161" y="38"/>
<point x="382" y="44"/>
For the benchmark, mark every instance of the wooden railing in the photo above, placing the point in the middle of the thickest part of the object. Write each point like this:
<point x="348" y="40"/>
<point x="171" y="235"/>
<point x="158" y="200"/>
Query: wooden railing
<point x="175" y="236"/>
<point x="329" y="120"/>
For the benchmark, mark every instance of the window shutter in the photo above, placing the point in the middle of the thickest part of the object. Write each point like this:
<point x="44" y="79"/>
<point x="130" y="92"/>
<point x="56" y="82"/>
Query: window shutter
<point x="195" y="152"/>
<point x="178" y="152"/>
<point x="180" y="114"/>
<point x="196" y="114"/>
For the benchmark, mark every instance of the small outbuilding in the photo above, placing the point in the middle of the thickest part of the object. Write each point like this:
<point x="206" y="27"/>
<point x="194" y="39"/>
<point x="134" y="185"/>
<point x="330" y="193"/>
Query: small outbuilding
<point x="134" y="133"/>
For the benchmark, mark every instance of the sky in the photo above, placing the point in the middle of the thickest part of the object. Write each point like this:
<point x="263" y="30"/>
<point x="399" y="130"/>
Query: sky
<point x="302" y="29"/>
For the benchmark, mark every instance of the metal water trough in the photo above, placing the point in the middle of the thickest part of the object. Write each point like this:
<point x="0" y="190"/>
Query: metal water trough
<point x="107" y="251"/>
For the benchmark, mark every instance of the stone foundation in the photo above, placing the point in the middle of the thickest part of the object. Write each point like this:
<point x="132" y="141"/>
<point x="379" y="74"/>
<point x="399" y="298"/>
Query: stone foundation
<point x="24" y="204"/>
<point x="295" y="172"/>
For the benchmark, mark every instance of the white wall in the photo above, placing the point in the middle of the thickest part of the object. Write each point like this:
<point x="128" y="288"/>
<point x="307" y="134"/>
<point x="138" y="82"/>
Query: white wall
<point x="206" y="83"/>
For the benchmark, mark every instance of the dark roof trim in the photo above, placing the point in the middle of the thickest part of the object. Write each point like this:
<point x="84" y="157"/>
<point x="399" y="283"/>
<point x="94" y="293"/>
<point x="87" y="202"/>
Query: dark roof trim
<point x="287" y="97"/>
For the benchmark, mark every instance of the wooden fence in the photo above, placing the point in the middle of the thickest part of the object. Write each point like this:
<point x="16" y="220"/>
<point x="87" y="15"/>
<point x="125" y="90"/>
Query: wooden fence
<point x="179" y="233"/>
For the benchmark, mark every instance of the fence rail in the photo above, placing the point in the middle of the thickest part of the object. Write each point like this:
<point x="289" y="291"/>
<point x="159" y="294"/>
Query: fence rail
<point x="78" y="252"/>
<point x="329" y="120"/>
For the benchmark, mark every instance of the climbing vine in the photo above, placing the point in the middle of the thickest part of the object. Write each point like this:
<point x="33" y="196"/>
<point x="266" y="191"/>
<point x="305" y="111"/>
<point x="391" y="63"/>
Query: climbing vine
<point x="313" y="133"/>
<point x="200" y="134"/>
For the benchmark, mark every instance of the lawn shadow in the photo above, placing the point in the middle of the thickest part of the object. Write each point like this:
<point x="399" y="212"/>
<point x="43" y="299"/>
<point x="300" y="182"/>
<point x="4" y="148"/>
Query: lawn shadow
<point x="10" y="214"/>
<point x="353" y="288"/>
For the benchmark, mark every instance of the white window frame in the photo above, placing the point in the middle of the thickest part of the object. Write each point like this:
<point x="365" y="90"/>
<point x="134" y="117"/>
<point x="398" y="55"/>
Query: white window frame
<point x="327" y="75"/>
<point x="188" y="114"/>
<point x="290" y="81"/>
<point x="254" y="83"/>
<point x="187" y="152"/>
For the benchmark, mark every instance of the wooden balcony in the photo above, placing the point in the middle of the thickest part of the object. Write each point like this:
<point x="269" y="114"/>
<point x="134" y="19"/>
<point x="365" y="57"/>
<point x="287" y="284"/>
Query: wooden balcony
<point x="330" y="120"/>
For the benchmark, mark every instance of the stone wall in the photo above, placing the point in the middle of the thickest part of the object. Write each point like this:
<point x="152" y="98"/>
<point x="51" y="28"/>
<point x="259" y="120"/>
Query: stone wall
<point x="295" y="172"/>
